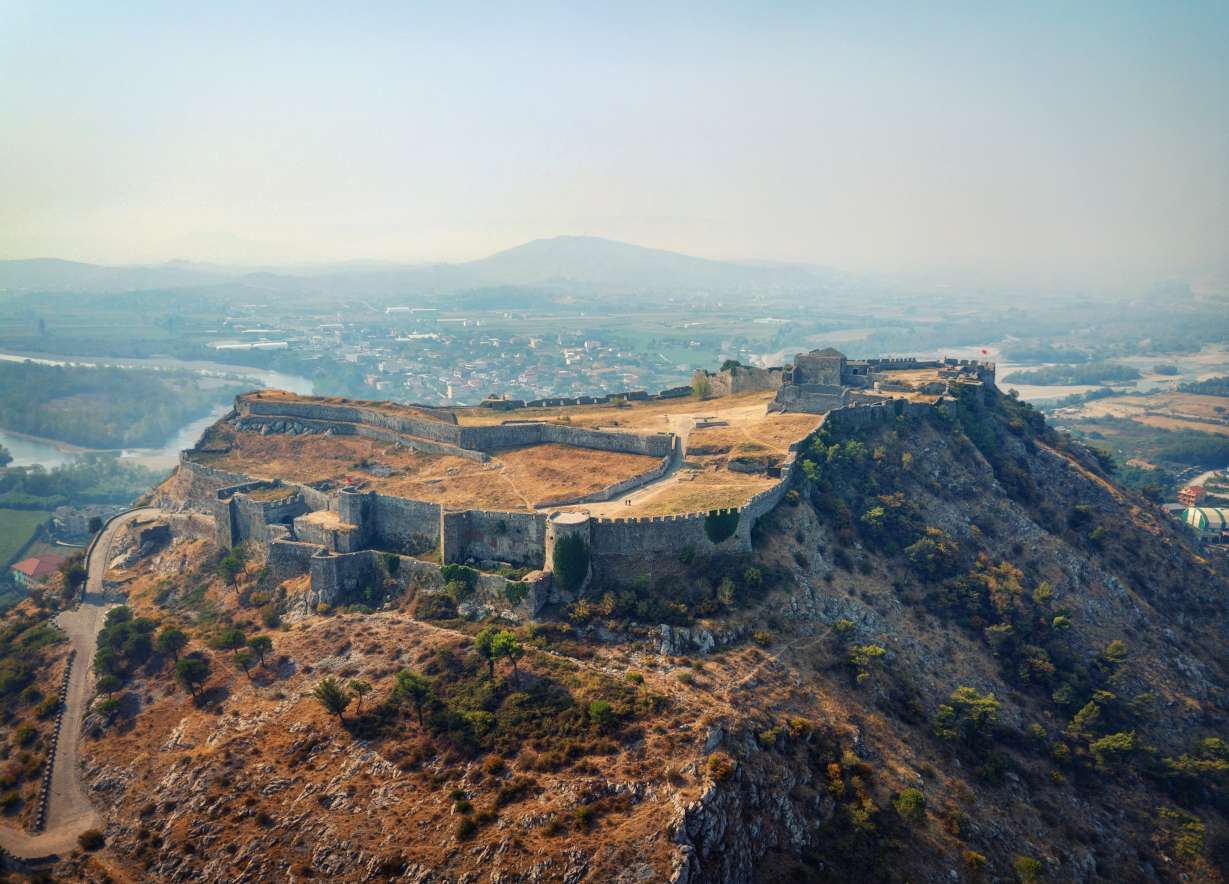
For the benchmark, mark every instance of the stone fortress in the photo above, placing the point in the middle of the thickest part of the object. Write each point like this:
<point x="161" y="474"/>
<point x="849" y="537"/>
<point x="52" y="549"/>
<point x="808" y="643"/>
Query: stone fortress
<point x="428" y="485"/>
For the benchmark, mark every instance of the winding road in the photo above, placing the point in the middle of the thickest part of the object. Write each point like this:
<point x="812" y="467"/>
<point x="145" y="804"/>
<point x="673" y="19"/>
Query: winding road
<point x="69" y="811"/>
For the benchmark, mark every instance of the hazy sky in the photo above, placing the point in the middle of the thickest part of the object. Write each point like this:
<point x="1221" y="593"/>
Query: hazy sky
<point x="1074" y="136"/>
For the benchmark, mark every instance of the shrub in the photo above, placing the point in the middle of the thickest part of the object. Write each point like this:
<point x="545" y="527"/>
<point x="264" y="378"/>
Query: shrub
<point x="720" y="766"/>
<point x="463" y="573"/>
<point x="1027" y="869"/>
<point x="516" y="790"/>
<point x="974" y="860"/>
<point x="466" y="827"/>
<point x="91" y="839"/>
<point x="435" y="606"/>
<point x="911" y="805"/>
<point x="493" y="765"/>
<point x="515" y="592"/>
<point x="762" y="637"/>
<point x="458" y="590"/>
<point x="602" y="715"/>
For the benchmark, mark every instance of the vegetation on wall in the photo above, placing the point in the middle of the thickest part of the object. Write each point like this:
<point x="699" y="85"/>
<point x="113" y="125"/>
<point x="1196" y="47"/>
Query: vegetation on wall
<point x="570" y="561"/>
<point x="719" y="526"/>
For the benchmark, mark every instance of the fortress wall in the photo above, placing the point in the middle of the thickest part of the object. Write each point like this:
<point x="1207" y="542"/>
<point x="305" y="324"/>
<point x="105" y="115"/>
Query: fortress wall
<point x="428" y="429"/>
<point x="336" y="575"/>
<point x="512" y="435"/>
<point x="196" y="482"/>
<point x="900" y="363"/>
<point x="808" y="398"/>
<point x="516" y="538"/>
<point x="655" y="445"/>
<point x="655" y="536"/>
<point x="192" y="526"/>
<point x="342" y="538"/>
<point x="282" y="424"/>
<point x="253" y="519"/>
<point x="450" y="438"/>
<point x="743" y="379"/>
<point x="315" y="499"/>
<point x="398" y="524"/>
<point x="289" y="559"/>
<point x="313" y="533"/>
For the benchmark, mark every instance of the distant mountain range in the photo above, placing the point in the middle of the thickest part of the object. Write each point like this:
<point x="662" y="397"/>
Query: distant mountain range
<point x="583" y="263"/>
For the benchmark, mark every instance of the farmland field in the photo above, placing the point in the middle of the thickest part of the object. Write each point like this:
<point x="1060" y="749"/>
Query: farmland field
<point x="16" y="526"/>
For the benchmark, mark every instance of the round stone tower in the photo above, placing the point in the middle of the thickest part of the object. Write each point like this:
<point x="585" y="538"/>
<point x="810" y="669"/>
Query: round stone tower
<point x="352" y="508"/>
<point x="568" y="524"/>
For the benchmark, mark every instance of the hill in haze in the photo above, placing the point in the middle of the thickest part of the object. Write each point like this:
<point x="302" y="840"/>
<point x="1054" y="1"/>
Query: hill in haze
<point x="584" y="263"/>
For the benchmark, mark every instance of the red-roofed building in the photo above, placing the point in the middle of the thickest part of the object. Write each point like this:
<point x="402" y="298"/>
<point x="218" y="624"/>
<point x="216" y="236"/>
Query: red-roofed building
<point x="36" y="569"/>
<point x="1192" y="495"/>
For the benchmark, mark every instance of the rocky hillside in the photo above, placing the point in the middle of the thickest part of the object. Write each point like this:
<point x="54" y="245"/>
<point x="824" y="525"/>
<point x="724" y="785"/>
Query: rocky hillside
<point x="960" y="652"/>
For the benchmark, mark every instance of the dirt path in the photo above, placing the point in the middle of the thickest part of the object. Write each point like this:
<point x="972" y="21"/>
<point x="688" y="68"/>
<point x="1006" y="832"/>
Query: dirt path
<point x="69" y="811"/>
<point x="680" y="425"/>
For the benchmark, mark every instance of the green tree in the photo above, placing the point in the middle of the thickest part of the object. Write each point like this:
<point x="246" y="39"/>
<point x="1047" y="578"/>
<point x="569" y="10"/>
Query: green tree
<point x="260" y="645"/>
<point x="1114" y="750"/>
<point x="192" y="672"/>
<point x="507" y="646"/>
<point x="967" y="715"/>
<point x="229" y="639"/>
<point x="332" y="697"/>
<point x="359" y="689"/>
<point x="412" y="687"/>
<point x="109" y="684"/>
<point x="172" y="641"/>
<point x="484" y="646"/>
<point x="228" y="570"/>
<point x="74" y="573"/>
<point x="935" y="555"/>
<point x="246" y="660"/>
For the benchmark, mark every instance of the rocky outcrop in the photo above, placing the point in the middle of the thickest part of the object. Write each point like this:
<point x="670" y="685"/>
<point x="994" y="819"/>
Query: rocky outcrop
<point x="765" y="805"/>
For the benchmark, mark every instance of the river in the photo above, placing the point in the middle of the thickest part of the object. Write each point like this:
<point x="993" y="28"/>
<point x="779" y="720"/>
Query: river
<point x="31" y="450"/>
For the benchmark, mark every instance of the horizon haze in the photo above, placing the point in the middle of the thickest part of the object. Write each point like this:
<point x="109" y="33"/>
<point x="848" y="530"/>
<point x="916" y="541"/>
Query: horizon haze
<point x="1032" y="142"/>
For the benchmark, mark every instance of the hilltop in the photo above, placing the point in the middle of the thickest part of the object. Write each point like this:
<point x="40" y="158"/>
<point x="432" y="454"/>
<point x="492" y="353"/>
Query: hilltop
<point x="957" y="650"/>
